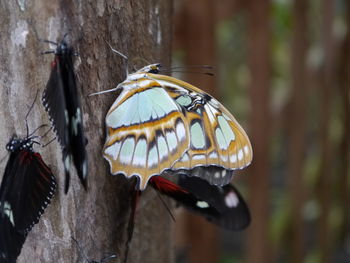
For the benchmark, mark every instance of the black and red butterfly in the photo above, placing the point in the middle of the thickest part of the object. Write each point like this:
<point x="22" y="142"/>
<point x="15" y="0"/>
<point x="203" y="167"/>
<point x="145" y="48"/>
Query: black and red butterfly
<point x="221" y="205"/>
<point x="61" y="101"/>
<point x="26" y="190"/>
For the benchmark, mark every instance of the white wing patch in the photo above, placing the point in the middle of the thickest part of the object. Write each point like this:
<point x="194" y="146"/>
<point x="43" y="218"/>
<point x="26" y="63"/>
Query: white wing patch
<point x="8" y="212"/>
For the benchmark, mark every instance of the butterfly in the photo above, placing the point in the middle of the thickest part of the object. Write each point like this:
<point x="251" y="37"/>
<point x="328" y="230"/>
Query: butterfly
<point x="221" y="205"/>
<point x="61" y="101"/>
<point x="27" y="188"/>
<point x="159" y="123"/>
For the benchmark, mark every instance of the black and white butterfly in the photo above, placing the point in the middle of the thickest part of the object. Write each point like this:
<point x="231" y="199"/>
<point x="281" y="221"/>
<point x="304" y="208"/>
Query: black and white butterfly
<point x="61" y="101"/>
<point x="27" y="188"/>
<point x="221" y="205"/>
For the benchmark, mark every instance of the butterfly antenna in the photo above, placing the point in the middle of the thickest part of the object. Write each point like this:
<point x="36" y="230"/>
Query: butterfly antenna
<point x="108" y="258"/>
<point x="46" y="144"/>
<point x="102" y="92"/>
<point x="80" y="250"/>
<point x="209" y="67"/>
<point x="165" y="204"/>
<point x="46" y="133"/>
<point x="120" y="54"/>
<point x="186" y="71"/>
<point x="30" y="109"/>
<point x="38" y="128"/>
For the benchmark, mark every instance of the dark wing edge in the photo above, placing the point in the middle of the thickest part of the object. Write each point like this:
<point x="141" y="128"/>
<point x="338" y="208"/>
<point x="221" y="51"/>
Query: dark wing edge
<point x="54" y="101"/>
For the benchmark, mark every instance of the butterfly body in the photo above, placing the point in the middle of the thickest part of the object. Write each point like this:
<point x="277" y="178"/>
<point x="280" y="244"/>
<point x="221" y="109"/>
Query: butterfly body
<point x="61" y="101"/>
<point x="159" y="123"/>
<point x="26" y="190"/>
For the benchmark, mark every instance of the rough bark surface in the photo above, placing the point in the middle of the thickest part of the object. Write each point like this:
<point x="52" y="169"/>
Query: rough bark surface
<point x="97" y="218"/>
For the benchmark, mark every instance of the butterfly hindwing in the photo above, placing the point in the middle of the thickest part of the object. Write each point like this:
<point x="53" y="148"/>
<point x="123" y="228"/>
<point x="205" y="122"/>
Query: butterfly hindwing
<point x="233" y="212"/>
<point x="222" y="206"/>
<point x="11" y="241"/>
<point x="146" y="131"/>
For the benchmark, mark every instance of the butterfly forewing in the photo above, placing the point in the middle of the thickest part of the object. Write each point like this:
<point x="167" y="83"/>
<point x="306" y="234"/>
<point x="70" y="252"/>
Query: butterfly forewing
<point x="26" y="190"/>
<point x="61" y="101"/>
<point x="146" y="130"/>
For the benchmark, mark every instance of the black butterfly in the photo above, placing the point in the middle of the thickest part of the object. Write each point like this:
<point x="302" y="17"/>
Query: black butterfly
<point x="62" y="103"/>
<point x="26" y="190"/>
<point x="223" y="206"/>
<point x="103" y="260"/>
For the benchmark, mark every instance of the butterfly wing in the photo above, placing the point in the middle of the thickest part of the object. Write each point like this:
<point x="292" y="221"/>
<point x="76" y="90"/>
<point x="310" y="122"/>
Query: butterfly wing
<point x="11" y="241"/>
<point x="146" y="130"/>
<point x="217" y="140"/>
<point x="76" y="129"/>
<point x="222" y="206"/>
<point x="26" y="189"/>
<point x="54" y="101"/>
<point x="61" y="101"/>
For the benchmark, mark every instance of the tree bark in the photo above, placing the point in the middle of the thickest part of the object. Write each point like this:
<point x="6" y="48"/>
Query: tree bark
<point x="297" y="132"/>
<point x="344" y="178"/>
<point x="324" y="235"/>
<point x="258" y="248"/>
<point x="97" y="218"/>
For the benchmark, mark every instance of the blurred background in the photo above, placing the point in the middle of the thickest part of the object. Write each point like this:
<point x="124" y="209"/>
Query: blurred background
<point x="282" y="67"/>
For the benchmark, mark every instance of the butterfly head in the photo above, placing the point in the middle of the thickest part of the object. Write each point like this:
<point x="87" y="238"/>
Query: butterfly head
<point x="17" y="144"/>
<point x="64" y="49"/>
<point x="153" y="68"/>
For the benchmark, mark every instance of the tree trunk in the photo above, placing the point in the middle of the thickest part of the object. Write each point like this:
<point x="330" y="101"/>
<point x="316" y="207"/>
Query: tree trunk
<point x="97" y="218"/>
<point x="260" y="70"/>
<point x="297" y="132"/>
<point x="344" y="178"/>
<point x="324" y="235"/>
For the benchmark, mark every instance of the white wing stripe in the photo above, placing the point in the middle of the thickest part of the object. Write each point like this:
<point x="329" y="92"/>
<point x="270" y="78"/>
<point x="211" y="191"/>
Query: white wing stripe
<point x="152" y="157"/>
<point x="127" y="151"/>
<point x="140" y="153"/>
